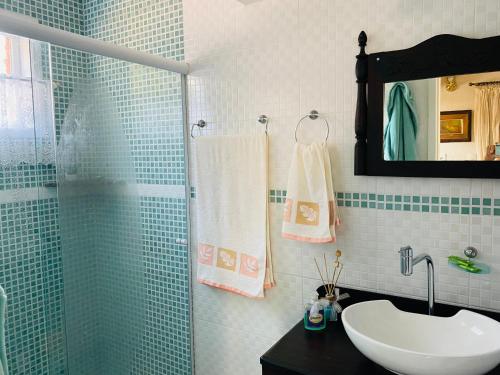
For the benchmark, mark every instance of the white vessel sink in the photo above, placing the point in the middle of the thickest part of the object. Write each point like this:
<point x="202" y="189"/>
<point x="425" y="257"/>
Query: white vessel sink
<point x="413" y="344"/>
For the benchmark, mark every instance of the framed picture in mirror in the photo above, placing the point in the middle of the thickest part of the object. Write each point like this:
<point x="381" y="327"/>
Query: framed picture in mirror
<point x="455" y="126"/>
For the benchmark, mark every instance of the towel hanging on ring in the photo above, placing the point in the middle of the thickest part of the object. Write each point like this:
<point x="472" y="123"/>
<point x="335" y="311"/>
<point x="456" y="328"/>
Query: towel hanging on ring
<point x="310" y="213"/>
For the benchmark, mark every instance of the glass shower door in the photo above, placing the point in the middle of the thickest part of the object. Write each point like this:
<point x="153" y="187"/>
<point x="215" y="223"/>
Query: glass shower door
<point x="121" y="188"/>
<point x="29" y="241"/>
<point x="93" y="217"/>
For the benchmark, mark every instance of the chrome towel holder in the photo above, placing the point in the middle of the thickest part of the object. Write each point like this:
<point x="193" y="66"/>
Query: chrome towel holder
<point x="313" y="115"/>
<point x="262" y="119"/>
<point x="200" y="124"/>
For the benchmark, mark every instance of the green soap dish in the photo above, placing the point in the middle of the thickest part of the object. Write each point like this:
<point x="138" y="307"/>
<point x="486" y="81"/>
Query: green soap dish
<point x="468" y="265"/>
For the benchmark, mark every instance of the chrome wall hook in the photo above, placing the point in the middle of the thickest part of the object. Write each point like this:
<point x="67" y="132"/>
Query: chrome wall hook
<point x="264" y="120"/>
<point x="313" y="115"/>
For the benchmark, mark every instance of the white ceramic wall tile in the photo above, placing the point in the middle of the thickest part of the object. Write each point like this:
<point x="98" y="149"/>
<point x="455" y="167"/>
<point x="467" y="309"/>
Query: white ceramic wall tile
<point x="283" y="58"/>
<point x="225" y="350"/>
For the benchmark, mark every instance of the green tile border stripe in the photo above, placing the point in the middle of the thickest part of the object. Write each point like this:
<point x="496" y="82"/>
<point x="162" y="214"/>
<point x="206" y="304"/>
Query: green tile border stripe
<point x="409" y="203"/>
<point x="421" y="203"/>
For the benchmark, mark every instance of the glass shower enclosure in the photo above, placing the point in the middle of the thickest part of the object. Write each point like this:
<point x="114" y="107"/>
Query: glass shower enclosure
<point x="93" y="211"/>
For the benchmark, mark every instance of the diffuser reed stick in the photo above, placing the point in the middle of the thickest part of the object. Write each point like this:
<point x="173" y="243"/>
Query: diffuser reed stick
<point x="320" y="274"/>
<point x="327" y="286"/>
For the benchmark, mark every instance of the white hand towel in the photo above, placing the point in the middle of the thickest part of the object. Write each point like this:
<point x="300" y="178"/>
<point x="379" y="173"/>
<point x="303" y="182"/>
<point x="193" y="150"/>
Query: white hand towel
<point x="310" y="213"/>
<point x="232" y="199"/>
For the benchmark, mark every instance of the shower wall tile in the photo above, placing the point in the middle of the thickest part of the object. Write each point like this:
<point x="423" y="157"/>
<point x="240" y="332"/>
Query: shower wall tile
<point x="50" y="246"/>
<point x="78" y="241"/>
<point x="223" y="350"/>
<point x="166" y="341"/>
<point x="127" y="301"/>
<point x="64" y="15"/>
<point x="154" y="27"/>
<point x="284" y="58"/>
<point x="31" y="277"/>
<point x="26" y="176"/>
<point x="149" y="104"/>
<point x="149" y="100"/>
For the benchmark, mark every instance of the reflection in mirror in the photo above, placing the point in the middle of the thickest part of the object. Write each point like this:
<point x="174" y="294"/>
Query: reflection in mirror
<point x="446" y="118"/>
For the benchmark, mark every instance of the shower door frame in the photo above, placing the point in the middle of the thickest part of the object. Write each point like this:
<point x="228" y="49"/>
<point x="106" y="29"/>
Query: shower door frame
<point x="187" y="192"/>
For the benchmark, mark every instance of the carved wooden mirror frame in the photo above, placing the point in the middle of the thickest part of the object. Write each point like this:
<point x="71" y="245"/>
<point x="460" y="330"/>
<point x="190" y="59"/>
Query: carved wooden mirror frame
<point x="441" y="55"/>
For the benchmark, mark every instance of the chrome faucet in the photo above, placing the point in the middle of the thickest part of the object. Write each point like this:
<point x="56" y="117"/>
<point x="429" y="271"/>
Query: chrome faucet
<point x="407" y="263"/>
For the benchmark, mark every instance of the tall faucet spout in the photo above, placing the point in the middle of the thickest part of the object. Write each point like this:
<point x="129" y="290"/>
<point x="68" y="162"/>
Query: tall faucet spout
<point x="430" y="279"/>
<point x="408" y="261"/>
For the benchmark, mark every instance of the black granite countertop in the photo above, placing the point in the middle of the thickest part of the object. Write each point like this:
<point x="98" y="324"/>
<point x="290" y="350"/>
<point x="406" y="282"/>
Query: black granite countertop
<point x="327" y="352"/>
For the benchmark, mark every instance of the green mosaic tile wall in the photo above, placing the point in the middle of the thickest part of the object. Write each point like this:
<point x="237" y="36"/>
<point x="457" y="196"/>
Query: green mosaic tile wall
<point x="166" y="342"/>
<point x="149" y="105"/>
<point x="48" y="219"/>
<point x="149" y="101"/>
<point x="32" y="277"/>
<point x="78" y="241"/>
<point x="26" y="176"/>
<point x="127" y="283"/>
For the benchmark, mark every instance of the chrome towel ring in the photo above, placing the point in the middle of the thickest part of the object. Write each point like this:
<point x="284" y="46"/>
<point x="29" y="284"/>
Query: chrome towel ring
<point x="313" y="115"/>
<point x="200" y="124"/>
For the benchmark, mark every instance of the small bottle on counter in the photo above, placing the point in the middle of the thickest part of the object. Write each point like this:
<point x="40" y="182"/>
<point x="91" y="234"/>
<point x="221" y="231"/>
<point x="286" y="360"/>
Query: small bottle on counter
<point x="314" y="315"/>
<point x="330" y="313"/>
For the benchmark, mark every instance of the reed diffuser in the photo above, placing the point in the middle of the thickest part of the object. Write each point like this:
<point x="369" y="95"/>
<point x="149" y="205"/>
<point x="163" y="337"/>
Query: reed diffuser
<point x="330" y="284"/>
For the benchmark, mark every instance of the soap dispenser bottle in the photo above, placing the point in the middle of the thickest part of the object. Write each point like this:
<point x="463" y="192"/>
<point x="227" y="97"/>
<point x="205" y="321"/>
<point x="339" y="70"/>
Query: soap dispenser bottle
<point x="314" y="315"/>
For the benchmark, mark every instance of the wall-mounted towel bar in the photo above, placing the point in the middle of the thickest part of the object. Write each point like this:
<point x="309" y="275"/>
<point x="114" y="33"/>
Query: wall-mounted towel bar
<point x="262" y="119"/>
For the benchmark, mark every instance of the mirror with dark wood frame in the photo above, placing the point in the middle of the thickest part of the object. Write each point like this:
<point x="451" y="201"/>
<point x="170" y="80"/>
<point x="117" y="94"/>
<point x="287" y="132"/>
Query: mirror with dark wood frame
<point x="432" y="110"/>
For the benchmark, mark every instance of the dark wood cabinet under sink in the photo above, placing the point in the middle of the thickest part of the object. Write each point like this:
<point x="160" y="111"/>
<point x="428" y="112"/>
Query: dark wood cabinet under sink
<point x="330" y="352"/>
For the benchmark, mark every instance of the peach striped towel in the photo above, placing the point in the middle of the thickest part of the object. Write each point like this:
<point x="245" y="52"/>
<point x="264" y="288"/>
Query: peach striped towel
<point x="232" y="214"/>
<point x="310" y="213"/>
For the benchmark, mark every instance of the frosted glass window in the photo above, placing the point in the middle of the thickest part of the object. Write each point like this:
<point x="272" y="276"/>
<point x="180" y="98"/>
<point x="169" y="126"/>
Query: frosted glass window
<point x="18" y="89"/>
